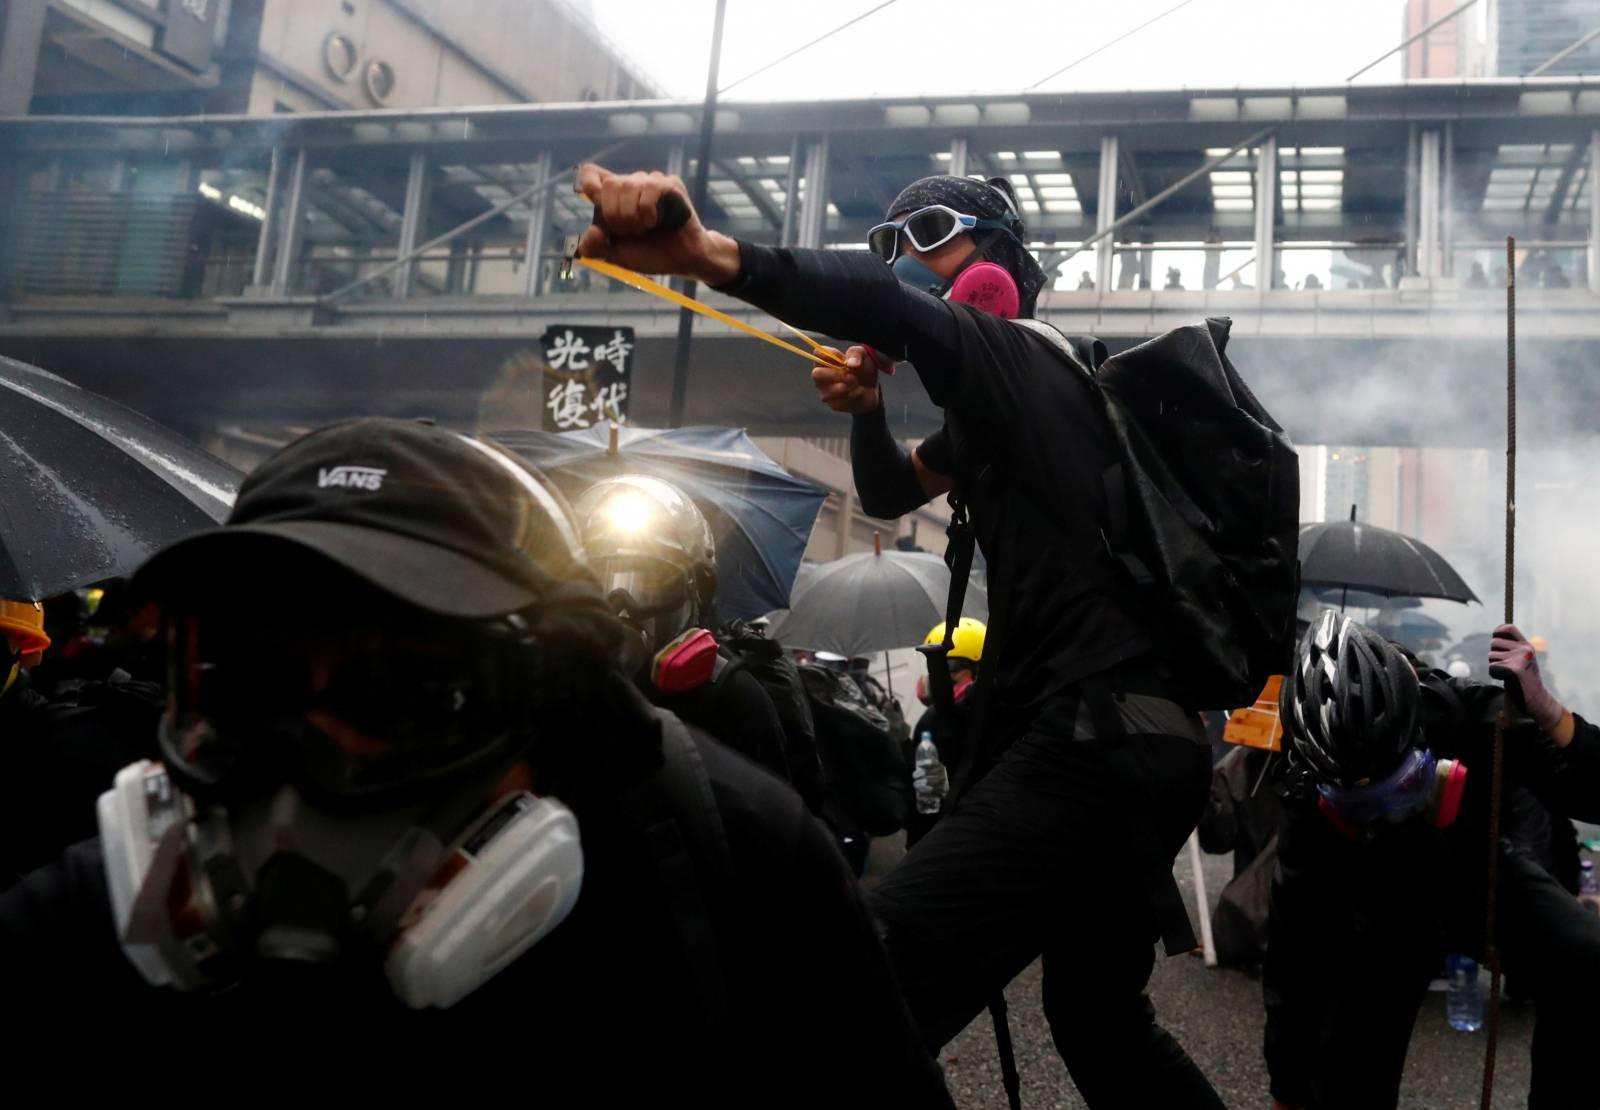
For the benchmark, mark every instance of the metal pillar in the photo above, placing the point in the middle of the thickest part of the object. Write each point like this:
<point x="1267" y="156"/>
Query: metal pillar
<point x="266" y="239"/>
<point x="1266" y="212"/>
<point x="678" y="160"/>
<point x="413" y="222"/>
<point x="538" y="228"/>
<point x="958" y="156"/>
<point x="294" y="226"/>
<point x="791" y="195"/>
<point x="1428" y="204"/>
<point x="1413" y="181"/>
<point x="1447" y="204"/>
<point x="1594" y="212"/>
<point x="814" y="207"/>
<point x="21" y="39"/>
<point x="1105" y="251"/>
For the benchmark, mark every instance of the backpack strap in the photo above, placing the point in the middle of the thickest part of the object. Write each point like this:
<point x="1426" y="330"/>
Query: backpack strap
<point x="683" y="830"/>
<point x="1002" y="572"/>
<point x="958" y="554"/>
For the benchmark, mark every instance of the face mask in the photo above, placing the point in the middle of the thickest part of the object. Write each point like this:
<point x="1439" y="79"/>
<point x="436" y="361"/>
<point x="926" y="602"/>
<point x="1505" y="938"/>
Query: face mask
<point x="1421" y="785"/>
<point x="983" y="284"/>
<point x="197" y="894"/>
<point x="687" y="663"/>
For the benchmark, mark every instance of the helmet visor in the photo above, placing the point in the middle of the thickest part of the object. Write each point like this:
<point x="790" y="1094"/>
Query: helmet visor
<point x="348" y="711"/>
<point x="641" y="585"/>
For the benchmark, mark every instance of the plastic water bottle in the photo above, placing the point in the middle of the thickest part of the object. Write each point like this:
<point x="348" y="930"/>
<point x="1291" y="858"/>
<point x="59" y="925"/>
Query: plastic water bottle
<point x="1463" y="1005"/>
<point x="1588" y="887"/>
<point x="930" y="779"/>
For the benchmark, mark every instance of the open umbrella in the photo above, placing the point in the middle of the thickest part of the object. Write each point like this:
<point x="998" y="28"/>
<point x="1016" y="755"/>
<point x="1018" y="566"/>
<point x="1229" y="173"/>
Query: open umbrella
<point x="761" y="515"/>
<point x="870" y="602"/>
<point x="1356" y="556"/>
<point x="88" y="488"/>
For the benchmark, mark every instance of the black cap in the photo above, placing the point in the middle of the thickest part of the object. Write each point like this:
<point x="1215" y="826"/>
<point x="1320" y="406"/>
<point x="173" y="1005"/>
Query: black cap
<point x="443" y="521"/>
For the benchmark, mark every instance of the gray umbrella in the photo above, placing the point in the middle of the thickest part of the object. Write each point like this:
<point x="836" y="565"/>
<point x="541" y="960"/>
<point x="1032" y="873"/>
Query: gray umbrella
<point x="89" y="489"/>
<point x="871" y="602"/>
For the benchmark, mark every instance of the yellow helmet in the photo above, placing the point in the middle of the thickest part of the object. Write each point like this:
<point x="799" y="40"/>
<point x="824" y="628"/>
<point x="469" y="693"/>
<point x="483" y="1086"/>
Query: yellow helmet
<point x="967" y="643"/>
<point x="22" y="623"/>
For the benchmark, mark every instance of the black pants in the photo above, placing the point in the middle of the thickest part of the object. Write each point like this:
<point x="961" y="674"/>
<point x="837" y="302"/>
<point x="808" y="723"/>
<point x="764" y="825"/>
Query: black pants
<point x="1546" y="939"/>
<point x="1552" y="944"/>
<point x="1035" y="860"/>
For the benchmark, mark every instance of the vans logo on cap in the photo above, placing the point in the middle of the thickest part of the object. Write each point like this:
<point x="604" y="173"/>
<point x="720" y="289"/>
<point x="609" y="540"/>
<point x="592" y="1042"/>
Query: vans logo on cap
<point x="369" y="478"/>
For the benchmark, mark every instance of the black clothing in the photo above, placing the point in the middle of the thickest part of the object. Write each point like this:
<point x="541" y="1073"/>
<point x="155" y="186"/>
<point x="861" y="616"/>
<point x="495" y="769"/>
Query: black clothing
<point x="774" y="669"/>
<point x="1010" y="403"/>
<point x="886" y="479"/>
<point x="604" y="1011"/>
<point x="1244" y="812"/>
<point x="735" y="710"/>
<point x="60" y="755"/>
<point x="1359" y="928"/>
<point x="1038" y="858"/>
<point x="1002" y="876"/>
<point x="1244" y="816"/>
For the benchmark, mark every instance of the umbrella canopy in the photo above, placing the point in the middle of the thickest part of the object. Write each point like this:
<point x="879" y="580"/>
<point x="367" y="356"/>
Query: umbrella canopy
<point x="871" y="602"/>
<point x="1357" y="556"/>
<point x="761" y="515"/>
<point x="89" y="489"/>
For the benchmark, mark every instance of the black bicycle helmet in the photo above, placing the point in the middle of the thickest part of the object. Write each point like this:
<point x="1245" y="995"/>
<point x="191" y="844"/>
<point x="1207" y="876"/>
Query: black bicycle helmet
<point x="1350" y="706"/>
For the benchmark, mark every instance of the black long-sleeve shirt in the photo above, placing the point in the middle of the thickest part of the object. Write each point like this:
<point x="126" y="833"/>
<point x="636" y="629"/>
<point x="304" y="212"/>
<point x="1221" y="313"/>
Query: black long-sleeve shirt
<point x="1352" y="922"/>
<point x="1015" y="407"/>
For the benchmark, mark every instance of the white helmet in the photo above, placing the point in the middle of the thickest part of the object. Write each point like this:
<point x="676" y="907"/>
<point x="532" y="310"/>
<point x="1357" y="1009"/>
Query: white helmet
<point x="652" y="549"/>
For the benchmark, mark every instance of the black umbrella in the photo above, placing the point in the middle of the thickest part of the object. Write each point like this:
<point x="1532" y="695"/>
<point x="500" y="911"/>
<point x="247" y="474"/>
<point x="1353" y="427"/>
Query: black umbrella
<point x="1356" y="556"/>
<point x="89" y="489"/>
<point x="871" y="602"/>
<point x="761" y="515"/>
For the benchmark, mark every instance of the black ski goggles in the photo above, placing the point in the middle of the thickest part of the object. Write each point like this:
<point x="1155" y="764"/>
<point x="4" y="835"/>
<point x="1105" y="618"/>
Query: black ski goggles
<point x="928" y="229"/>
<point x="365" y="710"/>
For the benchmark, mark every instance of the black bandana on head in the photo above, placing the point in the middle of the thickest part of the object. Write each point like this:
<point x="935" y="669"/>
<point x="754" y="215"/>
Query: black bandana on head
<point x="987" y="200"/>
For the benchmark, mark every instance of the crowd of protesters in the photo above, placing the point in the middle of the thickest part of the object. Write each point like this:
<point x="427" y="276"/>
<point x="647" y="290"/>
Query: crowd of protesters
<point x="441" y="741"/>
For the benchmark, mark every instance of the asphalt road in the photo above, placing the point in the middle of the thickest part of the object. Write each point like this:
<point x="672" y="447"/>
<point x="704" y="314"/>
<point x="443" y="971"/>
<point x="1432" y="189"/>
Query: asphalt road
<point x="1216" y="1015"/>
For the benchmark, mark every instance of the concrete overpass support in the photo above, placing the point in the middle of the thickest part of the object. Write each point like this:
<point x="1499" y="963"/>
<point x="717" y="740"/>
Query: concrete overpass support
<point x="958" y="156"/>
<point x="267" y="239"/>
<point x="1430" y="206"/>
<point x="791" y="195"/>
<point x="1594" y="212"/>
<point x="538" y="229"/>
<point x="292" y="234"/>
<point x="1266" y="196"/>
<point x="1105" y="251"/>
<point x="813" y="223"/>
<point x="413" y="221"/>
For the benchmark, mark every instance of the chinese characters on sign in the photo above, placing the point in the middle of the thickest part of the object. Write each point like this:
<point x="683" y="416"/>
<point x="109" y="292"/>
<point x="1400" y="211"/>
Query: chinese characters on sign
<point x="587" y="374"/>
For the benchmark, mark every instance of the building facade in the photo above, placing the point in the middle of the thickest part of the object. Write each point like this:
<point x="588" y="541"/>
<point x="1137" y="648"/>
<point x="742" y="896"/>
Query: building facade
<point x="187" y="57"/>
<point x="1528" y="33"/>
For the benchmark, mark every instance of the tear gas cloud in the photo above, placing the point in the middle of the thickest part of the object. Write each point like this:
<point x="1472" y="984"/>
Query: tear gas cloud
<point x="1447" y="399"/>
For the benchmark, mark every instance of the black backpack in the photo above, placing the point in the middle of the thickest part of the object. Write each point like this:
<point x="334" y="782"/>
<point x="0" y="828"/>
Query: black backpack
<point x="1205" y="508"/>
<point x="862" y="763"/>
<point x="748" y="649"/>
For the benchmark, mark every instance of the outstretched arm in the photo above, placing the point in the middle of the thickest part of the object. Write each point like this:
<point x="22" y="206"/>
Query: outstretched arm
<point x="845" y="293"/>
